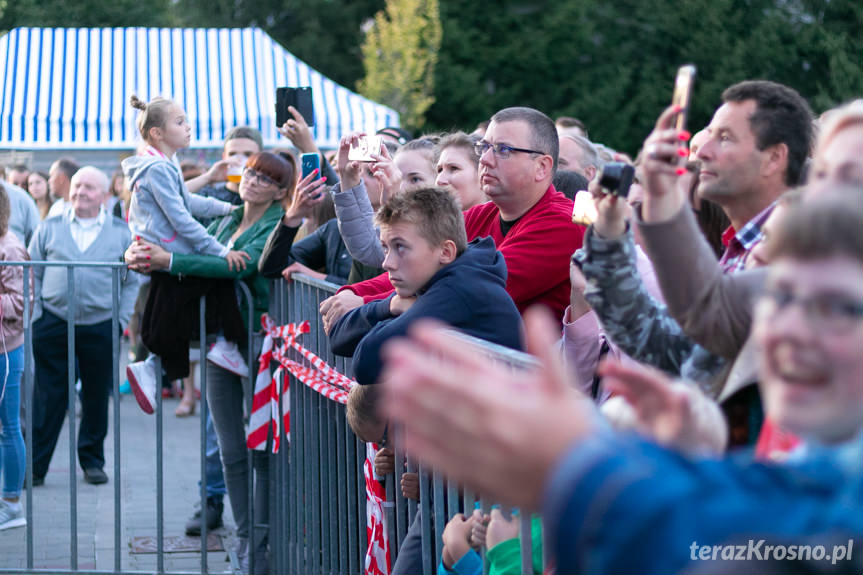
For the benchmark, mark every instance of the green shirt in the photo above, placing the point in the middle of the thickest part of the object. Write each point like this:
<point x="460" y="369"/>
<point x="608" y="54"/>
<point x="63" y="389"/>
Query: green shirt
<point x="251" y="241"/>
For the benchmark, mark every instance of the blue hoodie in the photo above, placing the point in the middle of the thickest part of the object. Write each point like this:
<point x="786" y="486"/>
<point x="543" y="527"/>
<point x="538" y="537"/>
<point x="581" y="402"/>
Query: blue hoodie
<point x="469" y="294"/>
<point x="618" y="504"/>
<point x="162" y="208"/>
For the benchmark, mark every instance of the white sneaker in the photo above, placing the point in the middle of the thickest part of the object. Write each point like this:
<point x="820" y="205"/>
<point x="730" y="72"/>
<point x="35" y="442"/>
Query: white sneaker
<point x="142" y="379"/>
<point x="226" y="355"/>
<point x="11" y="517"/>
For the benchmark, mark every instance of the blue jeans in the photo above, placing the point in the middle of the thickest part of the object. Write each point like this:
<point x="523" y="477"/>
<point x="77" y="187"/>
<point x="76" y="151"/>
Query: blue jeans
<point x="225" y="398"/>
<point x="215" y="480"/>
<point x="12" y="455"/>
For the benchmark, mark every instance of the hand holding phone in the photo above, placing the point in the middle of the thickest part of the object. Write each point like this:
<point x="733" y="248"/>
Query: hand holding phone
<point x="309" y="163"/>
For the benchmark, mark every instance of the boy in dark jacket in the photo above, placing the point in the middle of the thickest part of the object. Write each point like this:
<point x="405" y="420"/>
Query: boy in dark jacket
<point x="436" y="274"/>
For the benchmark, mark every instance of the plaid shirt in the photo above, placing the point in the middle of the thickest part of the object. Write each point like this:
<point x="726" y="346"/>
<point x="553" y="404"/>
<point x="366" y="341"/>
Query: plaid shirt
<point x="738" y="245"/>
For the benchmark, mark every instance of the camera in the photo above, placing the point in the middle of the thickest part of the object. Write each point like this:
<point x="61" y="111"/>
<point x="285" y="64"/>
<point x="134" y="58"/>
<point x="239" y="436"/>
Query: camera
<point x="616" y="178"/>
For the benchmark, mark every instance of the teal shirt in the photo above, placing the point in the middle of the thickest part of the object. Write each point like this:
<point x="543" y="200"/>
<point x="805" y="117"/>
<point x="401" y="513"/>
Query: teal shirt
<point x="251" y="241"/>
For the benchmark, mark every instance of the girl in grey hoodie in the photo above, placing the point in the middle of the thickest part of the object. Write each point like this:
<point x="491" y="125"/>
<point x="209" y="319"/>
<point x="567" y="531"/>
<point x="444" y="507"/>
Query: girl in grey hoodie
<point x="161" y="212"/>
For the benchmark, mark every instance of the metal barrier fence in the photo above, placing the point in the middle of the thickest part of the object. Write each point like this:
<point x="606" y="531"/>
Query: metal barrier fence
<point x="118" y="271"/>
<point x="317" y="515"/>
<point x="320" y="499"/>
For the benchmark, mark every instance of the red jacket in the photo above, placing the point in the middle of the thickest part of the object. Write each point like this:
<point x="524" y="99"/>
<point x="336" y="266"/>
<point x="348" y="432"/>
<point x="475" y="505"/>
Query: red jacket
<point x="536" y="250"/>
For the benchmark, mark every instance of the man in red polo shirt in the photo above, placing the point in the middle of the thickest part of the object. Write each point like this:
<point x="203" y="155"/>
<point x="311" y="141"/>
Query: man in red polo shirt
<point x="528" y="219"/>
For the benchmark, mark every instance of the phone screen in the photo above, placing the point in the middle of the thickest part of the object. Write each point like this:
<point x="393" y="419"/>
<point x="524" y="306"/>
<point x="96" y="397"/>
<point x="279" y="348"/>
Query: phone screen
<point x="682" y="94"/>
<point x="366" y="146"/>
<point x="583" y="209"/>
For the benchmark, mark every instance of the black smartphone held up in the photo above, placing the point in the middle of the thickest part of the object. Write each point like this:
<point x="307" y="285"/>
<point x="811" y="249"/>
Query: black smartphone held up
<point x="299" y="98"/>
<point x="682" y="94"/>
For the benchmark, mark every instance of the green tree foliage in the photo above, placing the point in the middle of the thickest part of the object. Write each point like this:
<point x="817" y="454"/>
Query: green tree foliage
<point x="84" y="13"/>
<point x="609" y="63"/>
<point x="400" y="53"/>
<point x="612" y="63"/>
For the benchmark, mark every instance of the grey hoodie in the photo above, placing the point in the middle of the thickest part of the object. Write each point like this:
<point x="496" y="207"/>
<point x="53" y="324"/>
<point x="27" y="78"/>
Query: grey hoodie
<point x="356" y="224"/>
<point x="162" y="208"/>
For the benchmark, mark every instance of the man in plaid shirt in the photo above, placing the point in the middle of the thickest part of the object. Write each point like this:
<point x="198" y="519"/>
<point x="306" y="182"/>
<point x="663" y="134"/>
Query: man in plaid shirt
<point x="756" y="149"/>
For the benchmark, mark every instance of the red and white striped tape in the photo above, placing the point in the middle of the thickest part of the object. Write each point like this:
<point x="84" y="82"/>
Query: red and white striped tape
<point x="321" y="377"/>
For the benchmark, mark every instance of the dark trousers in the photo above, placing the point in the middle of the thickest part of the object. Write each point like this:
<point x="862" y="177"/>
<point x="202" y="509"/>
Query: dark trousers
<point x="410" y="556"/>
<point x="93" y="345"/>
<point x="171" y="317"/>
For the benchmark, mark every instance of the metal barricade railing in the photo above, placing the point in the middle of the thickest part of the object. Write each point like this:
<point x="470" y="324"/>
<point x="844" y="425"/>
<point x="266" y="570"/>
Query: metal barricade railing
<point x="317" y="516"/>
<point x="321" y="498"/>
<point x="320" y="494"/>
<point x="118" y="273"/>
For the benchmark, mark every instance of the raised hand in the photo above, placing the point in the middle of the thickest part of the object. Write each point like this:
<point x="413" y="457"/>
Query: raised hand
<point x="483" y="434"/>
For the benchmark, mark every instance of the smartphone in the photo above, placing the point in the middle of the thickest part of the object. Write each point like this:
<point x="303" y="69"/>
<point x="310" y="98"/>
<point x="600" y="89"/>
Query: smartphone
<point x="309" y="163"/>
<point x="682" y="94"/>
<point x="365" y="147"/>
<point x="299" y="98"/>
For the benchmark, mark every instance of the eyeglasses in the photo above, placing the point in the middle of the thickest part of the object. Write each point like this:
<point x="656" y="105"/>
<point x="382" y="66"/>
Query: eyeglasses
<point x="501" y="151"/>
<point x="251" y="174"/>
<point x="831" y="313"/>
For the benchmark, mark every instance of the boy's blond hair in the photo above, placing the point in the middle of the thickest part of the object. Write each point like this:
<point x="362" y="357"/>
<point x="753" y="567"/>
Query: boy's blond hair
<point x="362" y="410"/>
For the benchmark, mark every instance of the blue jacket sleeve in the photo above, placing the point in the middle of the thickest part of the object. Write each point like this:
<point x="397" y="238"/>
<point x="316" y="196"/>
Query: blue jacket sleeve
<point x="442" y="303"/>
<point x="352" y="327"/>
<point x="469" y="564"/>
<point x="617" y="504"/>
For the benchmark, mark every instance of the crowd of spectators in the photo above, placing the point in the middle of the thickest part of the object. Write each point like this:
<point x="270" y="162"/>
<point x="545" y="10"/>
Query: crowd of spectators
<point x="698" y="374"/>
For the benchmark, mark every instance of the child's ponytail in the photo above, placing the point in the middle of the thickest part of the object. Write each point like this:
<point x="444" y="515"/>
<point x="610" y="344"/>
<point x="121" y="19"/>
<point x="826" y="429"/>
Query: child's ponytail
<point x="154" y="114"/>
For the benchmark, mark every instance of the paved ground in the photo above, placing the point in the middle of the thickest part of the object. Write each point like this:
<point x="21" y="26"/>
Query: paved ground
<point x="51" y="502"/>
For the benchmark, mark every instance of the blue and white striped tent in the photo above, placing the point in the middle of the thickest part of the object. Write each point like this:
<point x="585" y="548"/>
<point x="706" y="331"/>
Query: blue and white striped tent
<point x="69" y="88"/>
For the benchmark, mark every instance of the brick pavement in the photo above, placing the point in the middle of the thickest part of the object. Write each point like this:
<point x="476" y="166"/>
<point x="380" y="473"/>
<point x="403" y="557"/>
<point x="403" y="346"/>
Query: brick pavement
<point x="51" y="502"/>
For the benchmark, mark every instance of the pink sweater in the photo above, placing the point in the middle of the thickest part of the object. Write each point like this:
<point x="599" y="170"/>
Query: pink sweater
<point x="12" y="292"/>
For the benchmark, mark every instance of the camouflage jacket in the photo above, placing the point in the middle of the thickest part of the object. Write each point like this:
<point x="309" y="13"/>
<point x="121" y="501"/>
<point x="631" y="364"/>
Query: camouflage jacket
<point x="635" y="321"/>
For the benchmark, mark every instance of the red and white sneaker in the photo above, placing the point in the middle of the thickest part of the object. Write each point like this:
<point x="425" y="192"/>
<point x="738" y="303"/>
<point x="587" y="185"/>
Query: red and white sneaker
<point x="142" y="380"/>
<point x="226" y="355"/>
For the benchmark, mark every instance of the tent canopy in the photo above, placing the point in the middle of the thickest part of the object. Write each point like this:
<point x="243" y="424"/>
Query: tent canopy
<point x="69" y="88"/>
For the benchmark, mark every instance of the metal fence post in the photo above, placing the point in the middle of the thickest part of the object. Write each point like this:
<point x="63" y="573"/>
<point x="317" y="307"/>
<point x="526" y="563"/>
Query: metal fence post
<point x="29" y="386"/>
<point x="202" y="367"/>
<point x="72" y="397"/>
<point x="115" y="388"/>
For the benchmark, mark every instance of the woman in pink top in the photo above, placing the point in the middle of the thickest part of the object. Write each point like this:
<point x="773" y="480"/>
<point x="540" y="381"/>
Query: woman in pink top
<point x="12" y="457"/>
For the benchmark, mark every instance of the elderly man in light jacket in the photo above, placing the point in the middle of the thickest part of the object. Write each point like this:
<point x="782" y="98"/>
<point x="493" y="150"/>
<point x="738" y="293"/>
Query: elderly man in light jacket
<point x="83" y="232"/>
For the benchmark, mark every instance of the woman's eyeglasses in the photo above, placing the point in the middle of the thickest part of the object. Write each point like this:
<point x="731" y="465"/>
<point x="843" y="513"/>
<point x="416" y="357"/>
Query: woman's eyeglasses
<point x="252" y="174"/>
